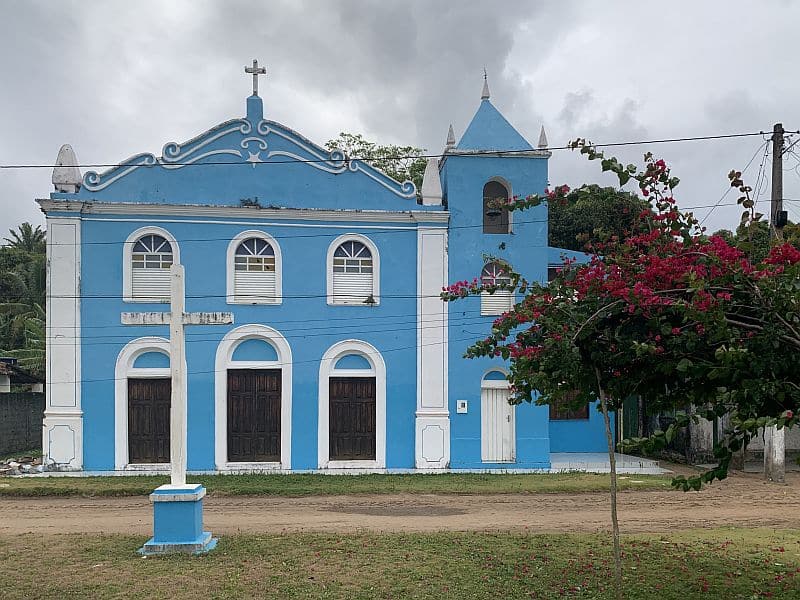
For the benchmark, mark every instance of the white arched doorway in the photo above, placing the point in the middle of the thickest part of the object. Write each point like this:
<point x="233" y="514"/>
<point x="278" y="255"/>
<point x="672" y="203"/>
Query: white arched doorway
<point x="498" y="419"/>
<point x="126" y="368"/>
<point x="357" y="362"/>
<point x="226" y="361"/>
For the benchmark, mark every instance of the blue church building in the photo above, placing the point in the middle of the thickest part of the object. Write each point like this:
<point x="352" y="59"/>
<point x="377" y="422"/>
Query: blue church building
<point x="341" y="355"/>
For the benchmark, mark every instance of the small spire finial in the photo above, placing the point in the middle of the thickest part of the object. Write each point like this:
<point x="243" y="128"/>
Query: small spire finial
<point x="255" y="71"/>
<point x="485" y="92"/>
<point x="451" y="138"/>
<point x="542" y="139"/>
<point x="66" y="173"/>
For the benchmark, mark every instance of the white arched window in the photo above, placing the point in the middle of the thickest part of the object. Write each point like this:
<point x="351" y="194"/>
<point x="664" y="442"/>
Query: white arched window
<point x="353" y="271"/>
<point x="148" y="254"/>
<point x="500" y="301"/>
<point x="254" y="269"/>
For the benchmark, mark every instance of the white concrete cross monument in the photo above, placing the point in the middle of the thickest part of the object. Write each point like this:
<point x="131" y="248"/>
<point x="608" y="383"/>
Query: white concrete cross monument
<point x="177" y="319"/>
<point x="255" y="70"/>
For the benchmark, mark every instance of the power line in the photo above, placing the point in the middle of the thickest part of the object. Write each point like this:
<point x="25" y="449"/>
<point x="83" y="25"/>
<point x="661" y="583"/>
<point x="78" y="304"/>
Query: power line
<point x="280" y="364"/>
<point x="281" y="321"/>
<point x="405" y="157"/>
<point x="411" y="325"/>
<point x="373" y="231"/>
<point x="744" y="170"/>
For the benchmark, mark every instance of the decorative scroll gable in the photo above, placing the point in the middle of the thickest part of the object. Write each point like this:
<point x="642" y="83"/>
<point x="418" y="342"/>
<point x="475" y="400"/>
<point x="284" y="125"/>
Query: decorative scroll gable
<point x="238" y="163"/>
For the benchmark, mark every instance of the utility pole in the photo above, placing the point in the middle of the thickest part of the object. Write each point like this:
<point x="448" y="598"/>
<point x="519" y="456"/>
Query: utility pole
<point x="774" y="438"/>
<point x="776" y="220"/>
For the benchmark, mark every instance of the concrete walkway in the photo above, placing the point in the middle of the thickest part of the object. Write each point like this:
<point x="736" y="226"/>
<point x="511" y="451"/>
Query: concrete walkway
<point x="560" y="462"/>
<point x="597" y="462"/>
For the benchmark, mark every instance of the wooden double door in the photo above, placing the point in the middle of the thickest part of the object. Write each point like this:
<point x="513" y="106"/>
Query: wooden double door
<point x="352" y="419"/>
<point x="254" y="415"/>
<point x="148" y="420"/>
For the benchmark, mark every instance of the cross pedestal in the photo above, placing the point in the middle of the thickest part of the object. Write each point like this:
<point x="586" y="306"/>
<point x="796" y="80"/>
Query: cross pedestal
<point x="178" y="506"/>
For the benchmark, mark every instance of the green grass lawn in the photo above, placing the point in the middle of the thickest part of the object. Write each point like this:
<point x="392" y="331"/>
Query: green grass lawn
<point x="721" y="563"/>
<point x="312" y="484"/>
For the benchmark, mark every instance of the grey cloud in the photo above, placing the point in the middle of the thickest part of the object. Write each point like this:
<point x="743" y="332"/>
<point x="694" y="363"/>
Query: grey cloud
<point x="116" y="78"/>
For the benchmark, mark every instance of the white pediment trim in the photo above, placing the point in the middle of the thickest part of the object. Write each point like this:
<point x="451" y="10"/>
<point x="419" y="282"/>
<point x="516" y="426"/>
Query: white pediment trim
<point x="246" y="146"/>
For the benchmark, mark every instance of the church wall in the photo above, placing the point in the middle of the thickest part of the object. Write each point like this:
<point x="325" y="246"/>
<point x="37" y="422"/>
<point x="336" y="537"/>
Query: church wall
<point x="308" y="323"/>
<point x="526" y="250"/>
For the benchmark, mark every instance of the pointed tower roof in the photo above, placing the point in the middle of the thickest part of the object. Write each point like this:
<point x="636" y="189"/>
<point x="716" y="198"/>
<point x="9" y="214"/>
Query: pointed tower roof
<point x="489" y="130"/>
<point x="485" y="93"/>
<point x="542" y="139"/>
<point x="431" y="184"/>
<point x="451" y="138"/>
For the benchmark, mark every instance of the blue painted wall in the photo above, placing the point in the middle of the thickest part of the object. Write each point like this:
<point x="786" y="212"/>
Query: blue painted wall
<point x="526" y="250"/>
<point x="304" y="318"/>
<point x="352" y="361"/>
<point x="580" y="435"/>
<point x="151" y="360"/>
<point x="255" y="349"/>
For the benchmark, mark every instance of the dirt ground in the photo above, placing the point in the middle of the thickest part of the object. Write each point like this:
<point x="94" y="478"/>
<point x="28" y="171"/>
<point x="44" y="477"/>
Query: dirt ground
<point x="744" y="500"/>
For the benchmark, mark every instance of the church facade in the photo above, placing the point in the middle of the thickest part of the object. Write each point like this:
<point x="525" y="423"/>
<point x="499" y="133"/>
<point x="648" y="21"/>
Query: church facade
<point x="341" y="356"/>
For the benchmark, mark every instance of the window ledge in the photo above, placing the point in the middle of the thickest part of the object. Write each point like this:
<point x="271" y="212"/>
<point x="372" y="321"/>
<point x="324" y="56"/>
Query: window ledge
<point x="134" y="299"/>
<point x="364" y="304"/>
<point x="257" y="301"/>
<point x="354" y="464"/>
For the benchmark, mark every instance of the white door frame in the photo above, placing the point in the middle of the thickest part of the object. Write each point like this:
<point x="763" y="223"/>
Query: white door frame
<point x="499" y="384"/>
<point x="124" y="370"/>
<point x="224" y="361"/>
<point x="327" y="369"/>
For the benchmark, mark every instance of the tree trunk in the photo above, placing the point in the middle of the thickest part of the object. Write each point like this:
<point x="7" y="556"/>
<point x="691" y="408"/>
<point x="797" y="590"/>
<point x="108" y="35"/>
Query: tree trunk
<point x="613" y="461"/>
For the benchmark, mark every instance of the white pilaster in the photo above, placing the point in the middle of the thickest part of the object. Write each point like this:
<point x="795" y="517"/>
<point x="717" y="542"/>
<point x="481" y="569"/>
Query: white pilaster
<point x="63" y="418"/>
<point x="775" y="454"/>
<point x="432" y="448"/>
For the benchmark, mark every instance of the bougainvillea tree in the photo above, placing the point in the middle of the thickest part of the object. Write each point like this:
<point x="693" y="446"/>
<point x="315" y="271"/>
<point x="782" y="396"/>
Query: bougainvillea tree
<point x="664" y="312"/>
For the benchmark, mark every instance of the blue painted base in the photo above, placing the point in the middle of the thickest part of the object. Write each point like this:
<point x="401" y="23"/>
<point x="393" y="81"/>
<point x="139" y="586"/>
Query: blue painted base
<point x="178" y="521"/>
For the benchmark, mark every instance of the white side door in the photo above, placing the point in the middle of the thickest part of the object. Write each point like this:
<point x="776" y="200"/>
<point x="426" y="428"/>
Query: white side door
<point x="497" y="423"/>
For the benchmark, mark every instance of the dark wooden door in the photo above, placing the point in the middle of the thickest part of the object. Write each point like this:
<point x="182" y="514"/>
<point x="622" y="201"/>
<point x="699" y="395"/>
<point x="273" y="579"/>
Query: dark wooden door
<point x="148" y="420"/>
<point x="254" y="415"/>
<point x="352" y="418"/>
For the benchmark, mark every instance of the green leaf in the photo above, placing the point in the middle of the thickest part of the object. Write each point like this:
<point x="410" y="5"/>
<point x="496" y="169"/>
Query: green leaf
<point x="684" y="364"/>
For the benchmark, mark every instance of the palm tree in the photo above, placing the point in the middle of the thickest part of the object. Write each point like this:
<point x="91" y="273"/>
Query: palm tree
<point x="28" y="238"/>
<point x="27" y="324"/>
<point x="22" y="298"/>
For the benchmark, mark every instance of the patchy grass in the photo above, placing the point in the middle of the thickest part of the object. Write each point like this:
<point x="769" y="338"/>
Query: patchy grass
<point x="314" y="485"/>
<point x="723" y="563"/>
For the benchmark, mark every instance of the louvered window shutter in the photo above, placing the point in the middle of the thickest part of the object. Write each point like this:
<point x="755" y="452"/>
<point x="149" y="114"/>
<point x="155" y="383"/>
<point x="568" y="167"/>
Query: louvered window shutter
<point x="496" y="304"/>
<point x="254" y="276"/>
<point x="501" y="300"/>
<point x="151" y="259"/>
<point x="352" y="274"/>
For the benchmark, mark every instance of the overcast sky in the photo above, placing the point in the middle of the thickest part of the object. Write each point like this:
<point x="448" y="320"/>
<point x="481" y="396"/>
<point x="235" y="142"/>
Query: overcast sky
<point x="117" y="78"/>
